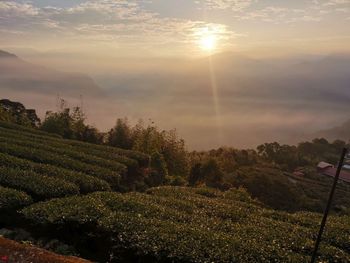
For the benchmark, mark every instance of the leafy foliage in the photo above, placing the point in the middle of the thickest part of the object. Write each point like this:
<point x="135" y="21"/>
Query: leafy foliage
<point x="92" y="167"/>
<point x="58" y="148"/>
<point x="150" y="140"/>
<point x="42" y="156"/>
<point x="15" y="112"/>
<point x="70" y="124"/>
<point x="189" y="225"/>
<point x="11" y="199"/>
<point x="38" y="186"/>
<point x="306" y="153"/>
<point x="85" y="182"/>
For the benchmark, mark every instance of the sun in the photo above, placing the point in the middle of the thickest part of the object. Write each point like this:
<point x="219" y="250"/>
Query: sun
<point x="207" y="38"/>
<point x="208" y="42"/>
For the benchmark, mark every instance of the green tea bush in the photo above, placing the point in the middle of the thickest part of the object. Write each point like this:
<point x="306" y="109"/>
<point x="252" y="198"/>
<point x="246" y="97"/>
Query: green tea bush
<point x="59" y="160"/>
<point x="100" y="153"/>
<point x="85" y="182"/>
<point x="11" y="199"/>
<point x="71" y="209"/>
<point x="39" y="186"/>
<point x="179" y="224"/>
<point x="63" y="150"/>
<point x="117" y="153"/>
<point x="16" y="127"/>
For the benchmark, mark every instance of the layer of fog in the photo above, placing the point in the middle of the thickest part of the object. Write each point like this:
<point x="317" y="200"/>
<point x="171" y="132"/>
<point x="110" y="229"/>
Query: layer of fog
<point x="258" y="100"/>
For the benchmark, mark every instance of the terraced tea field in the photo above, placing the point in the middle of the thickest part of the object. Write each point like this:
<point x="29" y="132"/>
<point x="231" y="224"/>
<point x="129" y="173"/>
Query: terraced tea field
<point x="69" y="190"/>
<point x="44" y="166"/>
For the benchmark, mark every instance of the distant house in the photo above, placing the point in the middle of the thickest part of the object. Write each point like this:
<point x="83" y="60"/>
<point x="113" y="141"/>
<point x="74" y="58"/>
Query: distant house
<point x="323" y="165"/>
<point x="329" y="170"/>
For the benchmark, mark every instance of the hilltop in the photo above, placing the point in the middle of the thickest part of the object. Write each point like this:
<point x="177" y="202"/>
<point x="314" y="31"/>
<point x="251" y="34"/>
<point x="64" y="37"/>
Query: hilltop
<point x="339" y="132"/>
<point x="4" y="54"/>
<point x="17" y="74"/>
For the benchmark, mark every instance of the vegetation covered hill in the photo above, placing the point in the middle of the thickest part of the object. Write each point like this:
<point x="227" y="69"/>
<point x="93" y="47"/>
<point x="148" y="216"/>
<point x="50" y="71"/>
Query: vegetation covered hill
<point x="45" y="165"/>
<point x="176" y="224"/>
<point x="79" y="198"/>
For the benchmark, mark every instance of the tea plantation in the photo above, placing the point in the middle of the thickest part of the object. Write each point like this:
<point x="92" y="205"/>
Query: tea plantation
<point x="72" y="191"/>
<point x="37" y="166"/>
<point x="178" y="224"/>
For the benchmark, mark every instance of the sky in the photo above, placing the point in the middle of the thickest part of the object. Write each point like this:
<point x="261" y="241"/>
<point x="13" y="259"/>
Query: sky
<point x="167" y="28"/>
<point x="222" y="72"/>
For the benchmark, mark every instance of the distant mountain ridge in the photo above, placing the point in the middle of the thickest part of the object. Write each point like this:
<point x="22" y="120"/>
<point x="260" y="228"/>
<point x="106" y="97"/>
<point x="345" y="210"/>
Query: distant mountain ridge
<point x="341" y="132"/>
<point x="4" y="54"/>
<point x="19" y="75"/>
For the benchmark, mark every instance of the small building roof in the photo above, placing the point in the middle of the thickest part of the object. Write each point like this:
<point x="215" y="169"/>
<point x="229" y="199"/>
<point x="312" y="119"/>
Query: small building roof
<point x="331" y="171"/>
<point x="323" y="165"/>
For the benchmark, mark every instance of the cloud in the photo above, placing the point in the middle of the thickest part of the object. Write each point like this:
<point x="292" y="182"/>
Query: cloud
<point x="280" y="14"/>
<point x="10" y="8"/>
<point x="336" y="2"/>
<point x="234" y="5"/>
<point x="116" y="23"/>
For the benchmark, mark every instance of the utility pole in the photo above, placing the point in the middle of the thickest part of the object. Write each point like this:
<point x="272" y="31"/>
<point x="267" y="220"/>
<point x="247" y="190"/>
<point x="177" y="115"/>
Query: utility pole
<point x="326" y="212"/>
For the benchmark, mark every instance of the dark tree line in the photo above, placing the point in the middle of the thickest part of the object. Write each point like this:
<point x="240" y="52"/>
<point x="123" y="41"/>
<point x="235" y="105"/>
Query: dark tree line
<point x="15" y="112"/>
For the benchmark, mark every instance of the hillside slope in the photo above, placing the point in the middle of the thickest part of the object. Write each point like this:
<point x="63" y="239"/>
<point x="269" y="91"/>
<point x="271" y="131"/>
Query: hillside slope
<point x="46" y="166"/>
<point x="19" y="75"/>
<point x="68" y="191"/>
<point x="174" y="224"/>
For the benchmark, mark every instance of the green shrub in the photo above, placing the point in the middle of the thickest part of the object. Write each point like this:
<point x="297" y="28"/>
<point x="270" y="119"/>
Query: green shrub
<point x="62" y="210"/>
<point x="16" y="127"/>
<point x="39" y="186"/>
<point x="62" y="149"/>
<point x="208" y="192"/>
<point x="179" y="224"/>
<point x="46" y="157"/>
<point x="13" y="199"/>
<point x="53" y="142"/>
<point x="120" y="155"/>
<point x="85" y="182"/>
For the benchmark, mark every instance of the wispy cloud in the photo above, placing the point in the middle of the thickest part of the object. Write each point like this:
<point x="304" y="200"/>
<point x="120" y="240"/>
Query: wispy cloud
<point x="10" y="8"/>
<point x="114" y="22"/>
<point x="235" y="5"/>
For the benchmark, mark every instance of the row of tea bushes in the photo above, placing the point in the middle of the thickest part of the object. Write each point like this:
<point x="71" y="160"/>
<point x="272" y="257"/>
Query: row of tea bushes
<point x="141" y="158"/>
<point x="110" y="160"/>
<point x="11" y="199"/>
<point x="62" y="150"/>
<point x="86" y="183"/>
<point x="41" y="156"/>
<point x="173" y="224"/>
<point x="38" y="186"/>
<point x="16" y="127"/>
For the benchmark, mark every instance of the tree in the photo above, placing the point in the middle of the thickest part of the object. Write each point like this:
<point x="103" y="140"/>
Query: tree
<point x="195" y="175"/>
<point x="121" y="136"/>
<point x="16" y="112"/>
<point x="159" y="170"/>
<point x="59" y="123"/>
<point x="70" y="124"/>
<point x="150" y="140"/>
<point x="5" y="115"/>
<point x="212" y="173"/>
